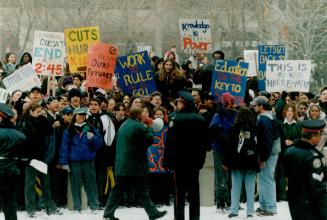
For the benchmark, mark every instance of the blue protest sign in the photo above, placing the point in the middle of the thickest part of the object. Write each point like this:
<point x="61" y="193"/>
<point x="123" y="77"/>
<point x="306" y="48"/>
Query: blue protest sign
<point x="135" y="76"/>
<point x="229" y="76"/>
<point x="268" y="52"/>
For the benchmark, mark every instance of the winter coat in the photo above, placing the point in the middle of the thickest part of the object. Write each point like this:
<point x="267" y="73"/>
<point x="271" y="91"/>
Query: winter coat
<point x="170" y="89"/>
<point x="290" y="132"/>
<point x="77" y="147"/>
<point x="11" y="143"/>
<point x="185" y="145"/>
<point x="133" y="140"/>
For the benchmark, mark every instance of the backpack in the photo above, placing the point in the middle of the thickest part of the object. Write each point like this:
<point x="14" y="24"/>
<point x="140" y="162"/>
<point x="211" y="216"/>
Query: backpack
<point x="247" y="144"/>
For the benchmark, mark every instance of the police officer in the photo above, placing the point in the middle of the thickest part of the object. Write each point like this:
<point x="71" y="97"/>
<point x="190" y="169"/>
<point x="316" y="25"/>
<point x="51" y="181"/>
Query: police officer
<point x="307" y="176"/>
<point x="185" y="154"/>
<point x="10" y="141"/>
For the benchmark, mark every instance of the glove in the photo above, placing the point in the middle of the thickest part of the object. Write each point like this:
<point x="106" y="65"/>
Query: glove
<point x="89" y="135"/>
<point x="66" y="167"/>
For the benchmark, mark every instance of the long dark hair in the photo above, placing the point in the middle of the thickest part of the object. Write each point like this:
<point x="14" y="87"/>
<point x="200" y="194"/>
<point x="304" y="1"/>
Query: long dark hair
<point x="246" y="117"/>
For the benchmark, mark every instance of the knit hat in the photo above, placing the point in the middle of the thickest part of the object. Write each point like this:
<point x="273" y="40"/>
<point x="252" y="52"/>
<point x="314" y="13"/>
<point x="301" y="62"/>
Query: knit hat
<point x="227" y="99"/>
<point x="68" y="80"/>
<point x="74" y="92"/>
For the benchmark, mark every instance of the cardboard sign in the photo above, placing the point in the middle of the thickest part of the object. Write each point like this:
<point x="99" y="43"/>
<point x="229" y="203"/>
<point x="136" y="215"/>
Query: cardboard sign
<point x="78" y="42"/>
<point x="135" y="74"/>
<point x="101" y="63"/>
<point x="268" y="52"/>
<point x="3" y="95"/>
<point x="288" y="75"/>
<point x="229" y="76"/>
<point x="155" y="152"/>
<point x="23" y="79"/>
<point x="251" y="57"/>
<point x="195" y="35"/>
<point x="48" y="53"/>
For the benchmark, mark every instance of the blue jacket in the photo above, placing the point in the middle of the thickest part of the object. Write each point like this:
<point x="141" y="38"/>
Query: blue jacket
<point x="77" y="147"/>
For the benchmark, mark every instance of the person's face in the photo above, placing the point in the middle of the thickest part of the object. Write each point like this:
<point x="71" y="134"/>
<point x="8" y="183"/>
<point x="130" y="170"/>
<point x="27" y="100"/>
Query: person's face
<point x="289" y="113"/>
<point x="160" y="65"/>
<point x="180" y="104"/>
<point x="168" y="66"/>
<point x="217" y="56"/>
<point x="136" y="103"/>
<point x="257" y="108"/>
<point x="314" y="112"/>
<point x="16" y="96"/>
<point x="80" y="118"/>
<point x="145" y="112"/>
<point x="156" y="101"/>
<point x="36" y="113"/>
<point x="12" y="59"/>
<point x="196" y="96"/>
<point x="26" y="58"/>
<point x="287" y="100"/>
<point x="159" y="114"/>
<point x="323" y="96"/>
<point x="77" y="82"/>
<point x="35" y="96"/>
<point x="63" y="103"/>
<point x="68" y="118"/>
<point x="302" y="109"/>
<point x="94" y="107"/>
<point x="315" y="140"/>
<point x="111" y="104"/>
<point x="126" y="100"/>
<point x="75" y="101"/>
<point x="54" y="106"/>
<point x="121" y="113"/>
<point x="104" y="106"/>
<point x="210" y="104"/>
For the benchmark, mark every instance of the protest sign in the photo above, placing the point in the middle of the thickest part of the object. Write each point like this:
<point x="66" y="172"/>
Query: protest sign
<point x="155" y="152"/>
<point x="48" y="53"/>
<point x="268" y="52"/>
<point x="288" y="75"/>
<point x="135" y="74"/>
<point x="195" y="35"/>
<point x="251" y="57"/>
<point x="78" y="41"/>
<point x="229" y="76"/>
<point x="3" y="95"/>
<point x="101" y="63"/>
<point x="23" y="79"/>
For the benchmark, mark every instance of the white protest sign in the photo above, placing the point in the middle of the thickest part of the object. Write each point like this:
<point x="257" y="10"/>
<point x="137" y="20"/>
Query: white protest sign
<point x="195" y="35"/>
<point x="48" y="53"/>
<point x="288" y="75"/>
<point x="23" y="79"/>
<point x="3" y="95"/>
<point x="251" y="57"/>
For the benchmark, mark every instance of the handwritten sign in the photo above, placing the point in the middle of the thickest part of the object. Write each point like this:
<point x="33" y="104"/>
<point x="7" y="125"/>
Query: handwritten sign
<point x="101" y="63"/>
<point x="78" y="42"/>
<point x="288" y="75"/>
<point x="23" y="79"/>
<point x="135" y="74"/>
<point x="268" y="52"/>
<point x="155" y="152"/>
<point x="195" y="35"/>
<point x="3" y="95"/>
<point x="229" y="76"/>
<point x="48" y="53"/>
<point x="251" y="57"/>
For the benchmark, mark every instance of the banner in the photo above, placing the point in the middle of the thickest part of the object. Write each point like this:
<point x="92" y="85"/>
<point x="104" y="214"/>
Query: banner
<point x="3" y="95"/>
<point x="288" y="75"/>
<point x="101" y="63"/>
<point x="155" y="152"/>
<point x="23" y="79"/>
<point x="251" y="57"/>
<point x="195" y="35"/>
<point x="78" y="41"/>
<point x="48" y="53"/>
<point x="134" y="73"/>
<point x="229" y="76"/>
<point x="268" y="52"/>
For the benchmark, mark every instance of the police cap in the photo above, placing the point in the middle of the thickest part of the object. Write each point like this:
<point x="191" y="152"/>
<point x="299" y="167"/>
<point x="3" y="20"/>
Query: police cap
<point x="313" y="126"/>
<point x="6" y="111"/>
<point x="37" y="89"/>
<point x="186" y="96"/>
<point x="80" y="111"/>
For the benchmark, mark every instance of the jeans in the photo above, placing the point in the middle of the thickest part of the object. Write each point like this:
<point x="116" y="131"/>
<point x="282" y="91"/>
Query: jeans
<point x="221" y="182"/>
<point x="267" y="185"/>
<point x="237" y="179"/>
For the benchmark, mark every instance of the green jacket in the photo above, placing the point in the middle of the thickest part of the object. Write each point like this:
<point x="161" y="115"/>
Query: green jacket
<point x="133" y="139"/>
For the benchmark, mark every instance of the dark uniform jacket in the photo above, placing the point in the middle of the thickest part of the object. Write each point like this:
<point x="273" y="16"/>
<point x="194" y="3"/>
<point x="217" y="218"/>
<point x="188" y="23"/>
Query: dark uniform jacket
<point x="185" y="145"/>
<point x="307" y="180"/>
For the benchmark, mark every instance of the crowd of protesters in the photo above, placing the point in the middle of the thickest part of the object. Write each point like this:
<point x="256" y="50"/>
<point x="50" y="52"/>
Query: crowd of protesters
<point x="76" y="131"/>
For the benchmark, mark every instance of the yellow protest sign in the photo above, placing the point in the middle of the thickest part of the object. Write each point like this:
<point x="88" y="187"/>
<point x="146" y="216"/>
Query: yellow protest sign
<point x="78" y="41"/>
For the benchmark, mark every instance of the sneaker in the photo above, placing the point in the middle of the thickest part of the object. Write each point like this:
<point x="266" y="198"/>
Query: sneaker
<point x="31" y="214"/>
<point x="54" y="212"/>
<point x="222" y="210"/>
<point x="231" y="215"/>
<point x="262" y="212"/>
<point x="158" y="215"/>
<point x="249" y="216"/>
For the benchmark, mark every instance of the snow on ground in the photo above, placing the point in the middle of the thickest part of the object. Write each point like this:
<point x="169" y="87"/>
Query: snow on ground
<point x="207" y="213"/>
